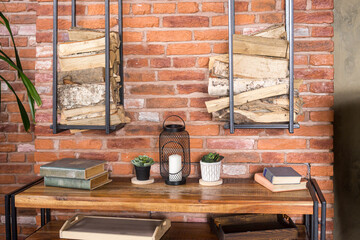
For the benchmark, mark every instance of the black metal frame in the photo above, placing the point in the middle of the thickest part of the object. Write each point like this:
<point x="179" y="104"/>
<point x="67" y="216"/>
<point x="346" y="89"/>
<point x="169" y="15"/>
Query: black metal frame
<point x="311" y="221"/>
<point x="107" y="127"/>
<point x="290" y="34"/>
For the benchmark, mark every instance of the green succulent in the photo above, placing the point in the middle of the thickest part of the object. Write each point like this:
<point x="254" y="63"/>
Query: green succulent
<point x="142" y="161"/>
<point x="212" y="157"/>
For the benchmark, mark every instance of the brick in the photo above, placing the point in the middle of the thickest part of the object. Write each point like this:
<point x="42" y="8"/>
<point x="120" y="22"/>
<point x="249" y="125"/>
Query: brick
<point x="203" y="130"/>
<point x="22" y="19"/>
<point x="8" y="127"/>
<point x="188" y="48"/>
<point x="301" y="32"/>
<point x="162" y="8"/>
<point x="135" y="49"/>
<point x="14" y="107"/>
<point x="240" y="19"/>
<point x="186" y="21"/>
<point x="244" y="132"/>
<point x="314" y="157"/>
<point x="280" y="144"/>
<point x="199" y="102"/>
<point x="44" y="144"/>
<point x="160" y="62"/>
<point x="211" y="35"/>
<point x="140" y="22"/>
<point x="300" y="60"/>
<point x="184" y="62"/>
<point x="187" y="7"/>
<point x="178" y="113"/>
<point x="63" y="10"/>
<point x="241" y="157"/>
<point x="191" y="88"/>
<point x="137" y="63"/>
<point x="217" y="7"/>
<point x="271" y="18"/>
<point x="128" y="156"/>
<point x="152" y="89"/>
<point x="166" y="102"/>
<point x="226" y="143"/>
<point x="139" y="76"/>
<point x="322" y="87"/>
<point x="13" y="7"/>
<point x="132" y="36"/>
<point x="321" y="144"/>
<point x="141" y="9"/>
<point x="169" y="75"/>
<point x="47" y="24"/>
<point x="7" y="147"/>
<point x="3" y="157"/>
<point x="263" y="5"/>
<point x="7" y="179"/>
<point x="134" y="103"/>
<point x="314" y="73"/>
<point x="241" y="6"/>
<point x="168" y="36"/>
<point x="322" y="116"/>
<point x="315" y="130"/>
<point x="128" y="143"/>
<point x="20" y="137"/>
<point x="203" y="62"/>
<point x="307" y="46"/>
<point x="200" y="116"/>
<point x="221" y="48"/>
<point x="234" y="170"/>
<point x="321" y="60"/>
<point x="15" y="168"/>
<point x="149" y="116"/>
<point x="314" y="17"/>
<point x="80" y="144"/>
<point x="322" y="31"/>
<point x="17" y="157"/>
<point x="122" y="169"/>
<point x="142" y="130"/>
<point x="272" y="157"/>
<point x="318" y="101"/>
<point x="325" y="184"/>
<point x="322" y="4"/>
<point x="322" y="171"/>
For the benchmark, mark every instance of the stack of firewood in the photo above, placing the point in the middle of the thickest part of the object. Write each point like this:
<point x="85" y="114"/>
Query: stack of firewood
<point x="81" y="79"/>
<point x="261" y="79"/>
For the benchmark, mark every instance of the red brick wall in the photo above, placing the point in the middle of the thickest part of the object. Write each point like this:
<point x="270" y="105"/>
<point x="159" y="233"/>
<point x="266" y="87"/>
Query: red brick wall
<point x="166" y="47"/>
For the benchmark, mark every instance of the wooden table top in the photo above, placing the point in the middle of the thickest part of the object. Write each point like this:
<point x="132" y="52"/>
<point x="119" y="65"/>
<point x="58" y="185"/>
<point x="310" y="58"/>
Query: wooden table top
<point x="234" y="196"/>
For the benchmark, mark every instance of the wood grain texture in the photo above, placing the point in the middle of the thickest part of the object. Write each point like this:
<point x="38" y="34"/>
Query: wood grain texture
<point x="178" y="231"/>
<point x="234" y="196"/>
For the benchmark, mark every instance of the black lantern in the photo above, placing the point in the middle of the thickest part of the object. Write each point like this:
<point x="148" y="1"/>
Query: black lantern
<point x="174" y="149"/>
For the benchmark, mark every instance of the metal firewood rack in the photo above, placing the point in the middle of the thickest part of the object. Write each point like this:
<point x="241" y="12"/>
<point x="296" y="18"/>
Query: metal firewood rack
<point x="289" y="14"/>
<point x="56" y="127"/>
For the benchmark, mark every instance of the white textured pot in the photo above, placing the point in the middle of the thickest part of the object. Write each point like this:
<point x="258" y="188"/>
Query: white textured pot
<point x="210" y="172"/>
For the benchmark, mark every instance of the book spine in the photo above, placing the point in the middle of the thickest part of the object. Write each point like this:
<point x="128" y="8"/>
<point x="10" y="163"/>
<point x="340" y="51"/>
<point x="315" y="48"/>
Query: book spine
<point x="67" y="183"/>
<point x="268" y="175"/>
<point x="62" y="173"/>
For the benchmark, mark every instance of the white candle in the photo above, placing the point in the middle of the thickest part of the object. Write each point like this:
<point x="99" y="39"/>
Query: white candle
<point x="175" y="173"/>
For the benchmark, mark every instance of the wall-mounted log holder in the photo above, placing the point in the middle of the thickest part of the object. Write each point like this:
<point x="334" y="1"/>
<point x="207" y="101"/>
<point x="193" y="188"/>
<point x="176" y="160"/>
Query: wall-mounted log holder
<point x="107" y="127"/>
<point x="289" y="12"/>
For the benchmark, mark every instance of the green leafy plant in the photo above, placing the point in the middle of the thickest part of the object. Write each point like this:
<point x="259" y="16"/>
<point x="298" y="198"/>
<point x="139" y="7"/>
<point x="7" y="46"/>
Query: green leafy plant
<point x="32" y="94"/>
<point x="142" y="161"/>
<point x="212" y="157"/>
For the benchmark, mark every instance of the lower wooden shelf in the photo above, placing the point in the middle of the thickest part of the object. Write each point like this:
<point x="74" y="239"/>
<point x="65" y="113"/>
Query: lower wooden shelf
<point x="178" y="231"/>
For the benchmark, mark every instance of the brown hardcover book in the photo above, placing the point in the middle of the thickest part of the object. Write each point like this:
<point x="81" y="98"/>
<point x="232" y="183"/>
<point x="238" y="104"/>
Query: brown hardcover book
<point x="73" y="168"/>
<point x="259" y="178"/>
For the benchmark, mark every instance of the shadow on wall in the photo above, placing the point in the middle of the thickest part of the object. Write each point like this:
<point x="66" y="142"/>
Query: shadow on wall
<point x="347" y="119"/>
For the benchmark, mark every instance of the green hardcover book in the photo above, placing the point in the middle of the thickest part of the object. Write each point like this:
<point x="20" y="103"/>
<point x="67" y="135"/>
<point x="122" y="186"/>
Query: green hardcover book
<point x="73" y="168"/>
<point x="89" y="184"/>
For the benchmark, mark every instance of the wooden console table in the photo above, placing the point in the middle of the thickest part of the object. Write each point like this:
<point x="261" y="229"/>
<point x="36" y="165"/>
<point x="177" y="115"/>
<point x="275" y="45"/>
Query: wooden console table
<point x="234" y="196"/>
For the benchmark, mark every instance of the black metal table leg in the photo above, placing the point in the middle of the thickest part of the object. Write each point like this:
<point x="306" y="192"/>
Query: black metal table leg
<point x="314" y="219"/>
<point x="323" y="208"/>
<point x="48" y="215"/>
<point x="307" y="224"/>
<point x="7" y="216"/>
<point x="42" y="211"/>
<point x="13" y="218"/>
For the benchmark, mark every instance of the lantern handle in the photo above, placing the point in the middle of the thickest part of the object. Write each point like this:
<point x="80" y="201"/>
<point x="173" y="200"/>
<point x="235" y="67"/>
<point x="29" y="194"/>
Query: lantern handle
<point x="173" y="116"/>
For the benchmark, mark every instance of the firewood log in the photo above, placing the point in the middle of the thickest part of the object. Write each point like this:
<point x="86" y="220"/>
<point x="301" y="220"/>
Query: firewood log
<point x="92" y="75"/>
<point x="275" y="31"/>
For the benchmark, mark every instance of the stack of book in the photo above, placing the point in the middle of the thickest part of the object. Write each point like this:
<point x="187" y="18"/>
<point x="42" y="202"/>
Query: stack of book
<point x="280" y="179"/>
<point x="75" y="173"/>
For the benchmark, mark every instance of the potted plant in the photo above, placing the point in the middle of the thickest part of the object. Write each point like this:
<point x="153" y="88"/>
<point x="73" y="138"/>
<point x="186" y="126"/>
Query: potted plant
<point x="210" y="165"/>
<point x="142" y="165"/>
